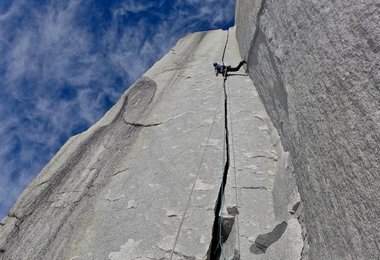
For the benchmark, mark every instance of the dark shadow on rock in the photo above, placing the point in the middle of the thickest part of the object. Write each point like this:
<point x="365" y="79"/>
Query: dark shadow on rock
<point x="264" y="241"/>
<point x="295" y="208"/>
<point x="233" y="211"/>
<point x="237" y="74"/>
<point x="227" y="224"/>
<point x="236" y="255"/>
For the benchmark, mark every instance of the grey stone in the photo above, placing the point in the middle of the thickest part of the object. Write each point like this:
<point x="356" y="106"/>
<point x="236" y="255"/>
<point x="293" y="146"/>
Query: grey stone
<point x="139" y="183"/>
<point x="316" y="68"/>
<point x="287" y="247"/>
<point x="233" y="211"/>
<point x="256" y="156"/>
<point x="152" y="179"/>
<point x="144" y="181"/>
<point x="264" y="241"/>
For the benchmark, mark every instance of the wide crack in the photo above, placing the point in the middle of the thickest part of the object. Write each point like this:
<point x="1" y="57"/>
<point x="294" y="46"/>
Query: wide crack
<point x="222" y="226"/>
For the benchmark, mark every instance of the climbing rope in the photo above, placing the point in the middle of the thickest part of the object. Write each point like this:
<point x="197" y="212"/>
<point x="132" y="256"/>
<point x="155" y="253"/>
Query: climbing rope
<point x="226" y="154"/>
<point x="237" y="230"/>
<point x="226" y="163"/>
<point x="228" y="114"/>
<point x="225" y="46"/>
<point x="196" y="178"/>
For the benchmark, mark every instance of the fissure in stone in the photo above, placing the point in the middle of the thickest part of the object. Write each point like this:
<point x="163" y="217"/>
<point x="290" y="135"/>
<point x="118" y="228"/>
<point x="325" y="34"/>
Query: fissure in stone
<point x="221" y="230"/>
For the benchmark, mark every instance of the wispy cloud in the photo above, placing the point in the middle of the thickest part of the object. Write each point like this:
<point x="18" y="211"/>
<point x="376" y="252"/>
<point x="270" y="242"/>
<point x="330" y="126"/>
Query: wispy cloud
<point x="64" y="63"/>
<point x="131" y="6"/>
<point x="9" y="9"/>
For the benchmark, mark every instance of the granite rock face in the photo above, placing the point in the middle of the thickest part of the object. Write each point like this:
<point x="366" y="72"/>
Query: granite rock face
<point x="259" y="175"/>
<point x="316" y="65"/>
<point x="146" y="181"/>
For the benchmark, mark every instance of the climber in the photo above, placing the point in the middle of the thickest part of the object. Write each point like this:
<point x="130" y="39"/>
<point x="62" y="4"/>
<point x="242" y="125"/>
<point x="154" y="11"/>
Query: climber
<point x="222" y="69"/>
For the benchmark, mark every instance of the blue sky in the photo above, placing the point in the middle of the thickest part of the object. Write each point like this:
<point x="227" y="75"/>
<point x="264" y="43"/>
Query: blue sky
<point x="64" y="63"/>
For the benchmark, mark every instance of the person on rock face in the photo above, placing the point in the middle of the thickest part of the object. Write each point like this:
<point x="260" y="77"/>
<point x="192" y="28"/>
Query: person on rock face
<point x="222" y="69"/>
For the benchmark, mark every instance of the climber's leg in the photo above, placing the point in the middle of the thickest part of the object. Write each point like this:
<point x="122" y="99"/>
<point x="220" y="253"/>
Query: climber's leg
<point x="229" y="68"/>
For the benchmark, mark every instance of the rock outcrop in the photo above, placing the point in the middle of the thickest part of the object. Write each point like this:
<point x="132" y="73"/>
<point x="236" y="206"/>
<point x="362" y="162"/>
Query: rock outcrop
<point x="316" y="67"/>
<point x="149" y="180"/>
<point x="187" y="165"/>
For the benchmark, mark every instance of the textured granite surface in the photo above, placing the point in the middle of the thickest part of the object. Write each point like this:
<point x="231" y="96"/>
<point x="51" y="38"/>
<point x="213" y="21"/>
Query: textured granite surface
<point x="143" y="182"/>
<point x="316" y="67"/>
<point x="258" y="174"/>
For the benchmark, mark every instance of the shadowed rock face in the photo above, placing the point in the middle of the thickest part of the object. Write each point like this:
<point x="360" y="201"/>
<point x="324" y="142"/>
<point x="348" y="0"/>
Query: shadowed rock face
<point x="264" y="241"/>
<point x="316" y="67"/>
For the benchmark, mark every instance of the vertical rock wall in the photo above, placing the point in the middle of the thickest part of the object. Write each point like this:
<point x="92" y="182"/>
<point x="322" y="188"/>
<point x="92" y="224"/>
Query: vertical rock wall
<point x="185" y="166"/>
<point x="260" y="190"/>
<point x="150" y="179"/>
<point x="316" y="67"/>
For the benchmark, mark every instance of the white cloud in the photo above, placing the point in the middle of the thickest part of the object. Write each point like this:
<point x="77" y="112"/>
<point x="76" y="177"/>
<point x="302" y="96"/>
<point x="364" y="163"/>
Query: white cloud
<point x="131" y="6"/>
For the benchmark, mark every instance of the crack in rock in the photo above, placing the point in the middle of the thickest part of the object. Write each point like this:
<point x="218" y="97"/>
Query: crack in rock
<point x="143" y="125"/>
<point x="13" y="215"/>
<point x="67" y="192"/>
<point x="261" y="119"/>
<point x="253" y="188"/>
<point x="138" y="124"/>
<point x="171" y="213"/>
<point x="178" y="67"/>
<point x="114" y="199"/>
<point x="118" y="172"/>
<point x="40" y="184"/>
<point x="217" y="234"/>
<point x="265" y="156"/>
